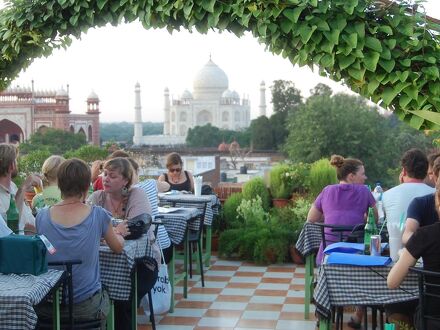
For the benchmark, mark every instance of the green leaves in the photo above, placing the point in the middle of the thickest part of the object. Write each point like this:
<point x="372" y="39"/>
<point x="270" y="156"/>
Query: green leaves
<point x="373" y="44"/>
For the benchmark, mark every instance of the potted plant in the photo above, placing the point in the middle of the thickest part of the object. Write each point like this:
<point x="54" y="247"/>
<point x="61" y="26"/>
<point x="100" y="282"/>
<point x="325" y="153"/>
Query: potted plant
<point x="279" y="185"/>
<point x="298" y="179"/>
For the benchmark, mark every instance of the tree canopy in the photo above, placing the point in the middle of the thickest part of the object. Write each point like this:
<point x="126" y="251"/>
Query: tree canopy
<point x="345" y="125"/>
<point x="211" y="136"/>
<point x="388" y="53"/>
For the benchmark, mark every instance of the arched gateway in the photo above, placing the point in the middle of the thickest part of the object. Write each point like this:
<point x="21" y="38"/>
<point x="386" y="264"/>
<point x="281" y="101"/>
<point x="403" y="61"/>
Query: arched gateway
<point x="383" y="50"/>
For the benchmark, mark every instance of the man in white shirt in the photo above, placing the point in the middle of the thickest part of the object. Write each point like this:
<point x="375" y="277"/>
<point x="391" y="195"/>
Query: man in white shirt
<point x="4" y="230"/>
<point x="8" y="171"/>
<point x="414" y="169"/>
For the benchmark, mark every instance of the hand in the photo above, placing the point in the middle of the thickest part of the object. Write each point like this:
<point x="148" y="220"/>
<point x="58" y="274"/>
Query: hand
<point x="122" y="229"/>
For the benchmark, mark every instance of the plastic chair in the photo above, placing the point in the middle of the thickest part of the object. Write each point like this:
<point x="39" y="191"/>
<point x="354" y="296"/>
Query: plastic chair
<point x="67" y="293"/>
<point x="429" y="295"/>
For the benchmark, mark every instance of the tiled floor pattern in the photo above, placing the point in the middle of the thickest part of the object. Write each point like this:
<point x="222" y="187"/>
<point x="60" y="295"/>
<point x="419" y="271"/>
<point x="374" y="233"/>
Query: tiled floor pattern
<point x="239" y="295"/>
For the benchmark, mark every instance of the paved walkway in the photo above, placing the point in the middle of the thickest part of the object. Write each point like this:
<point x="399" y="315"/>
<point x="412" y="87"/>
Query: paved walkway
<point x="240" y="295"/>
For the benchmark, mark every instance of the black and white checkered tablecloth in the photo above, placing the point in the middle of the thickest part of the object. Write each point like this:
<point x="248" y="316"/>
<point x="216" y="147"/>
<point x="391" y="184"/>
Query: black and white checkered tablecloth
<point x="116" y="268"/>
<point x="18" y="295"/>
<point x="189" y="200"/>
<point x="309" y="239"/>
<point x="176" y="222"/>
<point x="342" y="285"/>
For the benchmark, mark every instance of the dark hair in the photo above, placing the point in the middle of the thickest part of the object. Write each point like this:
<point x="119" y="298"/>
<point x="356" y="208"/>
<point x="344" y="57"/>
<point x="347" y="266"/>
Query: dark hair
<point x="345" y="166"/>
<point x="415" y="163"/>
<point x="436" y="167"/>
<point x="8" y="154"/>
<point x="123" y="166"/>
<point x="432" y="157"/>
<point x="73" y="178"/>
<point x="174" y="159"/>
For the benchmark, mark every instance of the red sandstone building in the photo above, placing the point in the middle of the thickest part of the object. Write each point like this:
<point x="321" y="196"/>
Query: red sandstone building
<point x="24" y="111"/>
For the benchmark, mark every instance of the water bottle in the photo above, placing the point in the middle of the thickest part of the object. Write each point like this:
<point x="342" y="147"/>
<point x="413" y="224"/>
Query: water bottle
<point x="378" y="194"/>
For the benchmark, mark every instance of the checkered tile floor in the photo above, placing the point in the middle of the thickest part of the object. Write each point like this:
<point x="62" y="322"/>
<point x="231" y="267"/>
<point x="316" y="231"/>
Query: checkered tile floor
<point x="240" y="295"/>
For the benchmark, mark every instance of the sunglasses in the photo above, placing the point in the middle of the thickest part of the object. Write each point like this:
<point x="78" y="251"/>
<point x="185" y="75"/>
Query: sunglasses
<point x="177" y="170"/>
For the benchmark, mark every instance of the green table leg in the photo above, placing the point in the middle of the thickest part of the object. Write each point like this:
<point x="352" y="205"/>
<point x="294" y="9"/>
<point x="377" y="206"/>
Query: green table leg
<point x="111" y="316"/>
<point x="56" y="310"/>
<point x="324" y="324"/>
<point x="207" y="254"/>
<point x="171" y="275"/>
<point x="185" y="266"/>
<point x="134" y="301"/>
<point x="309" y="278"/>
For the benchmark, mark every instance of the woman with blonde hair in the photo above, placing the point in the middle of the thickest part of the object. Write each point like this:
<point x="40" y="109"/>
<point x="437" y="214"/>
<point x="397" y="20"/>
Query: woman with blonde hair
<point x="51" y="194"/>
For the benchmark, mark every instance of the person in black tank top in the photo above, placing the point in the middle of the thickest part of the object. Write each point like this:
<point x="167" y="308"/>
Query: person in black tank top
<point x="176" y="177"/>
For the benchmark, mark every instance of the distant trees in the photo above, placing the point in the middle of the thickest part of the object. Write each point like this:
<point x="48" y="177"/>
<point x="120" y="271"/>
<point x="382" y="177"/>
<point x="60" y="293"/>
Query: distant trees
<point x="123" y="131"/>
<point x="211" y="136"/>
<point x="54" y="140"/>
<point x="346" y="125"/>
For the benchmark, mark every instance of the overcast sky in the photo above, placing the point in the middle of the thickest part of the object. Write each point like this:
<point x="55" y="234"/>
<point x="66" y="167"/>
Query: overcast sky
<point x="111" y="60"/>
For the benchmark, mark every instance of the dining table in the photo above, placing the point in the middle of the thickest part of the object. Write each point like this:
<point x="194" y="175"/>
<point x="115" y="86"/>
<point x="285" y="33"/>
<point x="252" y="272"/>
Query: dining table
<point x="177" y="199"/>
<point x="308" y="244"/>
<point x="118" y="273"/>
<point x="353" y="285"/>
<point x="19" y="293"/>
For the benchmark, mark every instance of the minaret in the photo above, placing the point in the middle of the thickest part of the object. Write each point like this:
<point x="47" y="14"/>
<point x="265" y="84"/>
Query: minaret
<point x="137" y="115"/>
<point x="262" y="105"/>
<point x="166" y="109"/>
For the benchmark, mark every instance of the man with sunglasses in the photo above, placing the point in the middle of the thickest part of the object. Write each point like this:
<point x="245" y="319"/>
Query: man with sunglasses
<point x="177" y="178"/>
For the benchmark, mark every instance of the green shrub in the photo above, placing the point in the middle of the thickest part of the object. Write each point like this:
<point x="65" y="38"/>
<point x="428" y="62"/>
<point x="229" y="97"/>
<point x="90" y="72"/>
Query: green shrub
<point x="279" y="185"/>
<point x="87" y="153"/>
<point x="321" y="174"/>
<point x="252" y="212"/>
<point x="33" y="161"/>
<point x="298" y="177"/>
<point x="230" y="213"/>
<point x="257" y="187"/>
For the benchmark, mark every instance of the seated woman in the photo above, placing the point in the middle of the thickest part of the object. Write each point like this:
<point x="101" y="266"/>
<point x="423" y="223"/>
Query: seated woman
<point x="345" y="203"/>
<point x="176" y="177"/>
<point x="423" y="243"/>
<point x="75" y="229"/>
<point x="51" y="194"/>
<point x="124" y="202"/>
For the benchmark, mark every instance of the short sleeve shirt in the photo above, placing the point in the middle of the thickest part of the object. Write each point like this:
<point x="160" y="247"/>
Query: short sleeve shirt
<point x="78" y="242"/>
<point x="422" y="209"/>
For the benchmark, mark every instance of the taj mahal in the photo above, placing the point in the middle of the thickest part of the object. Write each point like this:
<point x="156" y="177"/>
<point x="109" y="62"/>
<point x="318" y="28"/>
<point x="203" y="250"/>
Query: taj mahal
<point x="211" y="101"/>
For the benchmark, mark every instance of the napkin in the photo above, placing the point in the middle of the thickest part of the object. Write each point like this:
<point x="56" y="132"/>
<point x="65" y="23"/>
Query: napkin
<point x="345" y="247"/>
<point x="357" y="259"/>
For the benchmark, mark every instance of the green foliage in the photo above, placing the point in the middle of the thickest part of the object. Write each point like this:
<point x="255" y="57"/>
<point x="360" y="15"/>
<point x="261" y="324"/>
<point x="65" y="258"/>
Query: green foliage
<point x="33" y="161"/>
<point x="123" y="131"/>
<point x="298" y="177"/>
<point x="262" y="134"/>
<point x="88" y="153"/>
<point x="230" y="210"/>
<point x="346" y="125"/>
<point x="211" y="136"/>
<point x="321" y="174"/>
<point x="54" y="140"/>
<point x="285" y="97"/>
<point x="257" y="187"/>
<point x="252" y="212"/>
<point x="388" y="53"/>
<point x="279" y="184"/>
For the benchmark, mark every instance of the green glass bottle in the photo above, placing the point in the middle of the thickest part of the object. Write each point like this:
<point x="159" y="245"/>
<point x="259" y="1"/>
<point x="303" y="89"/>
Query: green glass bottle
<point x="369" y="230"/>
<point x="12" y="216"/>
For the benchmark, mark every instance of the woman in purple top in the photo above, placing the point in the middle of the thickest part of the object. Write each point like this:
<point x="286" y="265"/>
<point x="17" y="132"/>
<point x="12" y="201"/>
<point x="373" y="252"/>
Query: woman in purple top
<point x="345" y="203"/>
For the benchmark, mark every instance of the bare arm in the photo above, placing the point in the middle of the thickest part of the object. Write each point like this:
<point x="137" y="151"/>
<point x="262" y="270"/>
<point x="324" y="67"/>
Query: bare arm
<point x="161" y="178"/>
<point x="314" y="215"/>
<point x="162" y="186"/>
<point x="411" y="226"/>
<point x="400" y="269"/>
<point x="114" y="241"/>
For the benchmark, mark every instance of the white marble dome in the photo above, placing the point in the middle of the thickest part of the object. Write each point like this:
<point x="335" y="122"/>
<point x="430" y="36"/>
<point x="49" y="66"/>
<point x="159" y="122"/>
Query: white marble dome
<point x="211" y="77"/>
<point x="186" y="95"/>
<point x="227" y="94"/>
<point x="93" y="96"/>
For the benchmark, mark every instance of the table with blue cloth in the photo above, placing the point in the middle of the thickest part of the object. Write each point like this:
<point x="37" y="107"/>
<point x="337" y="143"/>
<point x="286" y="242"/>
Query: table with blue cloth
<point x="20" y="293"/>
<point x="346" y="285"/>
